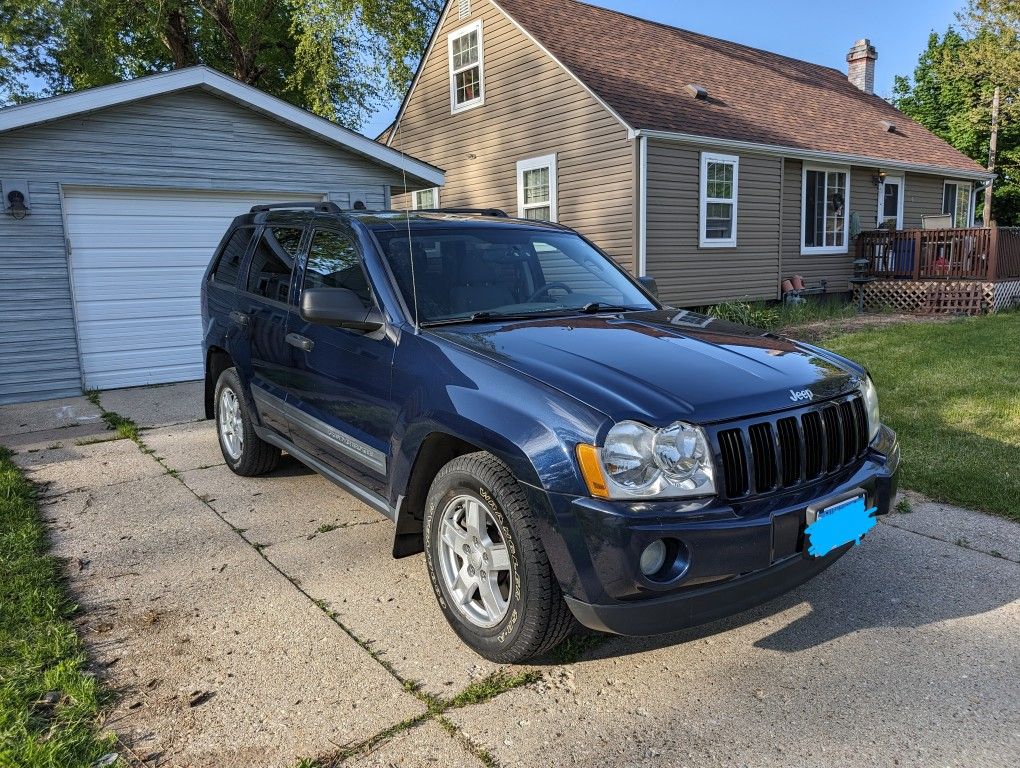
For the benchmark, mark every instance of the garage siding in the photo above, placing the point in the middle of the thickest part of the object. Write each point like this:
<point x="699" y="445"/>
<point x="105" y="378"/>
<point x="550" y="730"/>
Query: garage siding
<point x="38" y="354"/>
<point x="190" y="140"/>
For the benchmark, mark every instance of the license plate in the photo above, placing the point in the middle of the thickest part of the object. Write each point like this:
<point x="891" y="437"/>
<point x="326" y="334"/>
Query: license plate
<point x="838" y="524"/>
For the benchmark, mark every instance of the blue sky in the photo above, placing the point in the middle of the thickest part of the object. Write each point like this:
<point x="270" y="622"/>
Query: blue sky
<point x="813" y="30"/>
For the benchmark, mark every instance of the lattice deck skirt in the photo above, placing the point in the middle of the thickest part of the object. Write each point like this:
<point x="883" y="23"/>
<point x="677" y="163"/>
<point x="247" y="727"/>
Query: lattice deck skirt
<point x="956" y="297"/>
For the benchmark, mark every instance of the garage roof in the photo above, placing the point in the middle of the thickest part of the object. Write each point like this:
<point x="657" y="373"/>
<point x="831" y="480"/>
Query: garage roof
<point x="59" y="107"/>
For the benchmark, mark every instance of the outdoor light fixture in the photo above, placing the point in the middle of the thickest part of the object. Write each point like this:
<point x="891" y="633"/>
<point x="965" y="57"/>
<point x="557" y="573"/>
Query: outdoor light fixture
<point x="877" y="180"/>
<point x="16" y="207"/>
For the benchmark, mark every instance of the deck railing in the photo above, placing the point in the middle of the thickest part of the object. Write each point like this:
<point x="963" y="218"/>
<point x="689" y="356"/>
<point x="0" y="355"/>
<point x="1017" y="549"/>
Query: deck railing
<point x="975" y="253"/>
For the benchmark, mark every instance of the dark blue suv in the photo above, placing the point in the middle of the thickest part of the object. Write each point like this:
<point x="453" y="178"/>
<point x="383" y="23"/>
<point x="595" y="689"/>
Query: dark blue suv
<point x="562" y="447"/>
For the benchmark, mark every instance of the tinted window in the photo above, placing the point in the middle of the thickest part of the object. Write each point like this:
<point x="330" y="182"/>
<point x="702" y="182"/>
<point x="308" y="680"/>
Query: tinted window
<point x="334" y="262"/>
<point x="231" y="256"/>
<point x="273" y="263"/>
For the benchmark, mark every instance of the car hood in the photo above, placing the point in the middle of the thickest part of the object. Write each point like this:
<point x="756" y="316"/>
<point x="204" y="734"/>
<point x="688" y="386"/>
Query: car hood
<point x="663" y="365"/>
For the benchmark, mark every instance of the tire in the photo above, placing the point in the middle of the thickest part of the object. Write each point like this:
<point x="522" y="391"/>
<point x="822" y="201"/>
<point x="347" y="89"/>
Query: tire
<point x="536" y="618"/>
<point x="250" y="456"/>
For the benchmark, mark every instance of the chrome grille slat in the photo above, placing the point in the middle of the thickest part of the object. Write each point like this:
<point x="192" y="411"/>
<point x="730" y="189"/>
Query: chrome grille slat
<point x="765" y="455"/>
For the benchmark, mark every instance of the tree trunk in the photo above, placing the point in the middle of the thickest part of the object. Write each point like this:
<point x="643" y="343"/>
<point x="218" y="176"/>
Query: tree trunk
<point x="993" y="144"/>
<point x="177" y="39"/>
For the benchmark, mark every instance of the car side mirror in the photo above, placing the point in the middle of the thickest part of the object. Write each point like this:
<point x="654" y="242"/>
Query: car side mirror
<point x="338" y="307"/>
<point x="648" y="283"/>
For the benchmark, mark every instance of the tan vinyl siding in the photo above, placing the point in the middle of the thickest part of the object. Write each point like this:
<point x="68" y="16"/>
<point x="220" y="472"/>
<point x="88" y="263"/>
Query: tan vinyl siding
<point x="689" y="275"/>
<point x="923" y="197"/>
<point x="532" y="108"/>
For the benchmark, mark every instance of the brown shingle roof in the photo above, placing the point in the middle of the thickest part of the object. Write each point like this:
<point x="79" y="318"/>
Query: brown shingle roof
<point x="641" y="69"/>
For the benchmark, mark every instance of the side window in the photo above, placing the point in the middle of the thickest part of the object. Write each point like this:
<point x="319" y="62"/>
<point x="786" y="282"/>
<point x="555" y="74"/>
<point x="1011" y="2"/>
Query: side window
<point x="229" y="264"/>
<point x="334" y="262"/>
<point x="272" y="263"/>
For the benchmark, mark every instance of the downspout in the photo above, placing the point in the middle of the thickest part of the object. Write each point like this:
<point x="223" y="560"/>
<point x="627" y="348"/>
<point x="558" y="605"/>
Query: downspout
<point x="782" y="222"/>
<point x="642" y="259"/>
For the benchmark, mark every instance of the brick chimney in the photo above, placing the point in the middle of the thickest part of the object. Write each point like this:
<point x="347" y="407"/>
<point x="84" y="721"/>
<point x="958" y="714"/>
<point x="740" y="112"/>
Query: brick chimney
<point x="861" y="69"/>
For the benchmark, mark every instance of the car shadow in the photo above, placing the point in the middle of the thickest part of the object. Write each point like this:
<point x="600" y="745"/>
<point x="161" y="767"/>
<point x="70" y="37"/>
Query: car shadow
<point x="895" y="579"/>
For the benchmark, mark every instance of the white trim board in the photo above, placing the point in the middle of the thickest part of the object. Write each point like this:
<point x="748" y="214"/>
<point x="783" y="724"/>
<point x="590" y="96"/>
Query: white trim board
<point x="59" y="107"/>
<point x="817" y="156"/>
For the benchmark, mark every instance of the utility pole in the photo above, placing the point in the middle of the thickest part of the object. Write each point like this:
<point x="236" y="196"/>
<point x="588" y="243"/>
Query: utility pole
<point x="993" y="144"/>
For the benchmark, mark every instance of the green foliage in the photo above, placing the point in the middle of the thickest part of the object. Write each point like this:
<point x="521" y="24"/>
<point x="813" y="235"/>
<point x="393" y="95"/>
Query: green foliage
<point x="771" y="315"/>
<point x="950" y="391"/>
<point x="49" y="703"/>
<point x="337" y="58"/>
<point x="952" y="88"/>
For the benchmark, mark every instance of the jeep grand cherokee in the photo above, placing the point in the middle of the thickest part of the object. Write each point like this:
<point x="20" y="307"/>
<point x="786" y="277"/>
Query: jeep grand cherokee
<point x="562" y="447"/>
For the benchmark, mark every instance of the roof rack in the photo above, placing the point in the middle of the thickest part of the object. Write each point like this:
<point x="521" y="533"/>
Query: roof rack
<point x="317" y="205"/>
<point x="496" y="212"/>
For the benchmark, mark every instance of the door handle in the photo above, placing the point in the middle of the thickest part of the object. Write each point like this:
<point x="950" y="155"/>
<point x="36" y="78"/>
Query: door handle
<point x="239" y="317"/>
<point x="296" y="340"/>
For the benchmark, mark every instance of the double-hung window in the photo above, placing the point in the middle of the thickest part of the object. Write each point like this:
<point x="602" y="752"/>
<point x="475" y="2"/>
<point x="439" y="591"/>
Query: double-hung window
<point x="719" y="178"/>
<point x="425" y="199"/>
<point x="536" y="188"/>
<point x="956" y="202"/>
<point x="825" y="215"/>
<point x="467" y="87"/>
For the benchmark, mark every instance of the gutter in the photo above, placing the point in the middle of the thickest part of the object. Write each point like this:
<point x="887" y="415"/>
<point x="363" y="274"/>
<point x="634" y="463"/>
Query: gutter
<point x="806" y="154"/>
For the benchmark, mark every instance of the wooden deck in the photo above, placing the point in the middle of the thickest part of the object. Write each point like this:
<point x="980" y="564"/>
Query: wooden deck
<point x="978" y="253"/>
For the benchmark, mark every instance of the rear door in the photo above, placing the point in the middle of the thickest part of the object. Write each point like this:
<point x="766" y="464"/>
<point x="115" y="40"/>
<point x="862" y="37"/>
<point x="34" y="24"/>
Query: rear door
<point x="340" y="383"/>
<point x="263" y="311"/>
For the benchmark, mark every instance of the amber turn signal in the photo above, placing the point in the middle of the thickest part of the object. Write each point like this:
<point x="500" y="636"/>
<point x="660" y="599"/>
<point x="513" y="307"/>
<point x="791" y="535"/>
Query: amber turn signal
<point x="591" y="470"/>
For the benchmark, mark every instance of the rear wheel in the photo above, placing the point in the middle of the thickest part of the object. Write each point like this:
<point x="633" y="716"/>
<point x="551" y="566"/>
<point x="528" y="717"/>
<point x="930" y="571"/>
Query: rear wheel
<point x="243" y="450"/>
<point x="487" y="565"/>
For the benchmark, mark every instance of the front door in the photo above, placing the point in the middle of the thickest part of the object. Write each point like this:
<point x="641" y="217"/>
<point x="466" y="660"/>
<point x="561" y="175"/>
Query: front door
<point x="263" y="310"/>
<point x="890" y="203"/>
<point x="339" y="387"/>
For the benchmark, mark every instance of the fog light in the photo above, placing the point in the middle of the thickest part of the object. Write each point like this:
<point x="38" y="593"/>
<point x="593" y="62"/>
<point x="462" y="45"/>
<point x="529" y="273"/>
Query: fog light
<point x="653" y="558"/>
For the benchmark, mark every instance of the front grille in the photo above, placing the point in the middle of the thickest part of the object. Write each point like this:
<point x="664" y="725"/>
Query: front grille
<point x="774" y="454"/>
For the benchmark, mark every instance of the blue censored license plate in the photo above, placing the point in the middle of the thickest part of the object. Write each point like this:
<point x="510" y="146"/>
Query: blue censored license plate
<point x="838" y="524"/>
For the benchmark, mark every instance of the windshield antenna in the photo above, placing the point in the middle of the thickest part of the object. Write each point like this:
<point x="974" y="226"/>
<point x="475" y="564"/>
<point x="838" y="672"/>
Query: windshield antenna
<point x="407" y="218"/>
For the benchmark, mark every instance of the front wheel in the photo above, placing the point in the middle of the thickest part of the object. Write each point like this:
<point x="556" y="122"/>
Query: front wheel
<point x="487" y="565"/>
<point x="243" y="450"/>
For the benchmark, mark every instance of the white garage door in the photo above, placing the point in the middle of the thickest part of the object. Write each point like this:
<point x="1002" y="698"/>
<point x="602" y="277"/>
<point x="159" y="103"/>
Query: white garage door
<point x="137" y="259"/>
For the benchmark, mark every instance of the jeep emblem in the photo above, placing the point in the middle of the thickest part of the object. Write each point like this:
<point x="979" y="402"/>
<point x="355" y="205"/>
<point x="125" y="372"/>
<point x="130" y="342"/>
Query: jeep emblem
<point x="804" y="394"/>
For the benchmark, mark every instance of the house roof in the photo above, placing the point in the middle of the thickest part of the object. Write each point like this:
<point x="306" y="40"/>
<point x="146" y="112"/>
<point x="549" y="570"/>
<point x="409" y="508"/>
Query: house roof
<point x="641" y="69"/>
<point x="59" y="107"/>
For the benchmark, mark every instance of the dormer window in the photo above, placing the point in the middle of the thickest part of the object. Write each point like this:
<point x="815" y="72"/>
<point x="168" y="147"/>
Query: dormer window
<point x="467" y="87"/>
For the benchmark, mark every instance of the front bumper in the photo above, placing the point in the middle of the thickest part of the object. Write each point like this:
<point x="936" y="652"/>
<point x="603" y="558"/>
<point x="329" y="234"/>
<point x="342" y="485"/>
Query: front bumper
<point x="735" y="556"/>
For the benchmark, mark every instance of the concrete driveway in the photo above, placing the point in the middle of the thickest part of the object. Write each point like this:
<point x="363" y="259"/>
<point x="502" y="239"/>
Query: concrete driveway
<point x="261" y="622"/>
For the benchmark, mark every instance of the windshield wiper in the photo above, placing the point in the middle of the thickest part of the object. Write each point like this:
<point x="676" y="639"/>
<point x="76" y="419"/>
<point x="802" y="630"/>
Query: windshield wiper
<point x="487" y="317"/>
<point x="598" y="306"/>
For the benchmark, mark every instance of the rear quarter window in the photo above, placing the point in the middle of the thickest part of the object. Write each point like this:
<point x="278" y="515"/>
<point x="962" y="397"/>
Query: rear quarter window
<point x="228" y="263"/>
<point x="272" y="263"/>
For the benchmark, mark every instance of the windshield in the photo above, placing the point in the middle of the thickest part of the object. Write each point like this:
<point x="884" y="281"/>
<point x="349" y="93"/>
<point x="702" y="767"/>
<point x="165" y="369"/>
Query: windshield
<point x="489" y="272"/>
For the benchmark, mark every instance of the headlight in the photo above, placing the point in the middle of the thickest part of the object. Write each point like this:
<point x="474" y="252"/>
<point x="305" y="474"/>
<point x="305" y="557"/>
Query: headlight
<point x="640" y="462"/>
<point x="871" y="404"/>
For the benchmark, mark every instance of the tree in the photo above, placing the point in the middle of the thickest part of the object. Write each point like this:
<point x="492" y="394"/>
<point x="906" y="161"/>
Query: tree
<point x="953" y="89"/>
<point x="337" y="58"/>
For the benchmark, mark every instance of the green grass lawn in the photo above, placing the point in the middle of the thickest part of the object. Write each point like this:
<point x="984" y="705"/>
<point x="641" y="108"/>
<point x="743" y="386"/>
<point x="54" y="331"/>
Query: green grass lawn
<point x="952" y="392"/>
<point x="50" y="704"/>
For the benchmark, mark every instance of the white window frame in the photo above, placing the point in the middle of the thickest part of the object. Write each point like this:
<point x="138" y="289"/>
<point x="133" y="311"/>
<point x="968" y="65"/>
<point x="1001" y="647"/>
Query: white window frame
<point x="414" y="197"/>
<point x="480" y="99"/>
<point x="824" y="249"/>
<point x="970" y="199"/>
<point x="901" y="181"/>
<point x="534" y="164"/>
<point x="715" y="242"/>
